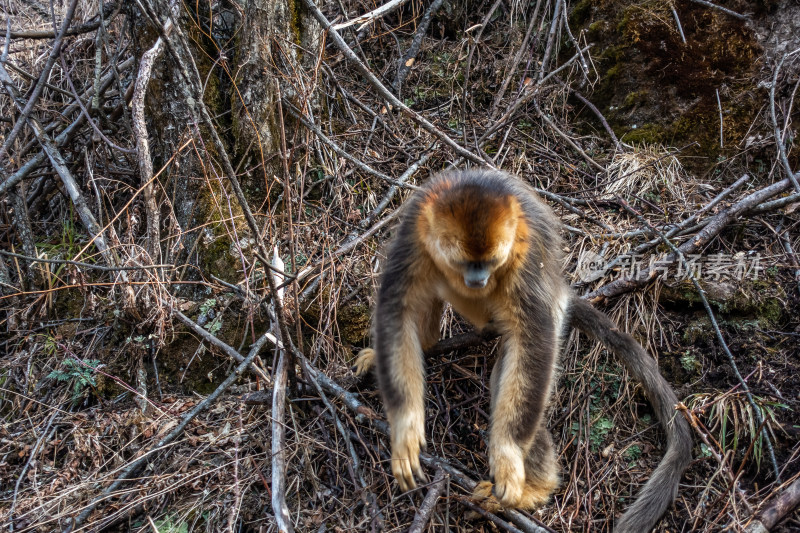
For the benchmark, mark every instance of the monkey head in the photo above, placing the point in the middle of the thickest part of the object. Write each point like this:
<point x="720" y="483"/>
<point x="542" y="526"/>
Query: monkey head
<point x="470" y="233"/>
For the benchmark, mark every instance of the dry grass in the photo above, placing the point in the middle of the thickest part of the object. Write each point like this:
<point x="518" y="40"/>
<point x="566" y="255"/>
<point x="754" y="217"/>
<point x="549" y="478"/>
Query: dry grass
<point x="63" y="442"/>
<point x="647" y="171"/>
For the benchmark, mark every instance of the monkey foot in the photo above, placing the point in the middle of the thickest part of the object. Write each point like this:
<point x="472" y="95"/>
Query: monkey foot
<point x="533" y="496"/>
<point x="482" y="494"/>
<point x="365" y="360"/>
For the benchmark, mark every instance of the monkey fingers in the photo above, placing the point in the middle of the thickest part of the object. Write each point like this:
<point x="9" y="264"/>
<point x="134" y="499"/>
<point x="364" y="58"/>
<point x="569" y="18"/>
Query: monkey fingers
<point x="365" y="360"/>
<point x="408" y="438"/>
<point x="405" y="464"/>
<point x="507" y="468"/>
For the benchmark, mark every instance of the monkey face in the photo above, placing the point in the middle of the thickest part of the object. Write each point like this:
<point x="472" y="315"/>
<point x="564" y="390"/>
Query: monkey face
<point x="469" y="238"/>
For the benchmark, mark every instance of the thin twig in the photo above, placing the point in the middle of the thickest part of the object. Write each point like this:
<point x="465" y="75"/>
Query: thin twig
<point x="108" y="10"/>
<point x="720" y="8"/>
<point x="714" y="226"/>
<point x="523" y="50"/>
<point x="712" y="449"/>
<point x="224" y="347"/>
<point x="551" y="38"/>
<point x="81" y="264"/>
<point x="787" y="168"/>
<point x="596" y="112"/>
<point x="366" y="18"/>
<point x="678" y="23"/>
<point x="34" y="95"/>
<point x="387" y="198"/>
<point x="62" y="138"/>
<point x="45" y="435"/>
<point x="341" y="151"/>
<point x="353" y="403"/>
<point x="721" y="130"/>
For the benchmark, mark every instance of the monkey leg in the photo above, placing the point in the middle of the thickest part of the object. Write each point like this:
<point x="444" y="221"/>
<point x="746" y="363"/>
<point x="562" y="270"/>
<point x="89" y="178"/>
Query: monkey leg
<point x="428" y="336"/>
<point x="429" y="324"/>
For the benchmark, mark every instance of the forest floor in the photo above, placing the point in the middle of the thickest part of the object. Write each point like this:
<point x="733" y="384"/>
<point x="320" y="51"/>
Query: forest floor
<point x="124" y="404"/>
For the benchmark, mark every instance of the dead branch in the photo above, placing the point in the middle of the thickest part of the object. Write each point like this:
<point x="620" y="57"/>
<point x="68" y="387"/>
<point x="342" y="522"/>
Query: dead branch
<point x="279" y="508"/>
<point x="405" y="62"/>
<point x="353" y="402"/>
<point x="596" y="112"/>
<point x="722" y="461"/>
<point x="777" y="509"/>
<point x="566" y="137"/>
<point x="367" y="18"/>
<point x="109" y="9"/>
<point x="36" y="92"/>
<point x="554" y="23"/>
<point x="715" y="325"/>
<point x="725" y="10"/>
<point x="101" y="268"/>
<point x="143" y="147"/>
<point x="766" y="207"/>
<point x="424" y="511"/>
<point x="387" y="198"/>
<point x="60" y="166"/>
<point x="66" y="135"/>
<point x="787" y="168"/>
<point x="341" y="151"/>
<point x="521" y="51"/>
<point x="367" y="496"/>
<point x="714" y="226"/>
<point x="215" y="341"/>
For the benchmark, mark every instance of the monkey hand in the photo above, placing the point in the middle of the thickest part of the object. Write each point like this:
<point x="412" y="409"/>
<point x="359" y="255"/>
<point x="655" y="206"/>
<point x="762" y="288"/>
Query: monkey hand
<point x="507" y="468"/>
<point x="408" y="438"/>
<point x="365" y="360"/>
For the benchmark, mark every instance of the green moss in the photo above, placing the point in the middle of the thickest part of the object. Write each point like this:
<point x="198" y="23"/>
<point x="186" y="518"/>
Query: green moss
<point x="650" y="77"/>
<point x="296" y="24"/>
<point x="646" y="134"/>
<point x="354" y="324"/>
<point x="636" y="97"/>
<point x="596" y="29"/>
<point x="581" y="12"/>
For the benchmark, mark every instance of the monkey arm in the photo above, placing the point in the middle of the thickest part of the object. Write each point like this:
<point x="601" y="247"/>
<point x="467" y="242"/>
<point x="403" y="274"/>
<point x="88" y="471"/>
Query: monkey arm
<point x="400" y="332"/>
<point x="521" y="382"/>
<point x="401" y="376"/>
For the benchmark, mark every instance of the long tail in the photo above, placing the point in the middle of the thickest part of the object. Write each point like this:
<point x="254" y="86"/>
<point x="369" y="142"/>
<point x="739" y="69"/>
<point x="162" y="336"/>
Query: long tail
<point x="662" y="487"/>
